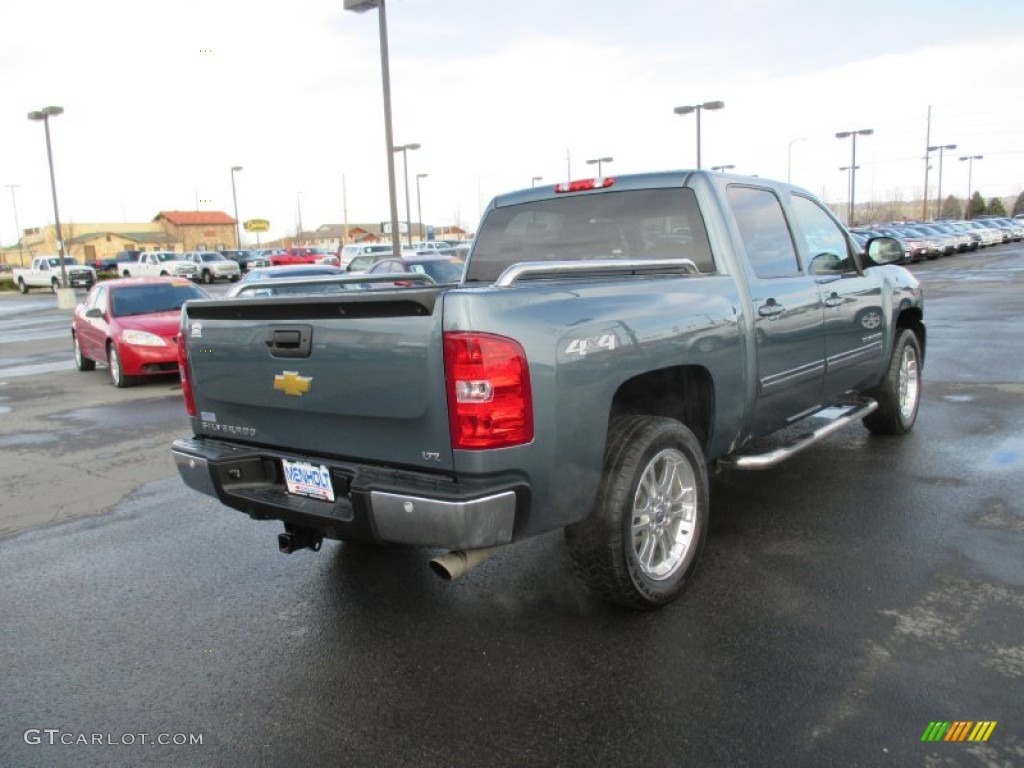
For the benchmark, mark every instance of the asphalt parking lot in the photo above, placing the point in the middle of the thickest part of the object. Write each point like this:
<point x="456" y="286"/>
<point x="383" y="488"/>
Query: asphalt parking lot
<point x="846" y="600"/>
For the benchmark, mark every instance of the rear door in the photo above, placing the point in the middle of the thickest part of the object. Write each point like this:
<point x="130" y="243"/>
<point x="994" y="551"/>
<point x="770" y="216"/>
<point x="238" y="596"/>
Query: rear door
<point x="787" y="309"/>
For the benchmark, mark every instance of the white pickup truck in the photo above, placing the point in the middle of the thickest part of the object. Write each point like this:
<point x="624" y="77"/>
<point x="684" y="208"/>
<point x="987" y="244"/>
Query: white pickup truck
<point x="159" y="264"/>
<point x="45" y="272"/>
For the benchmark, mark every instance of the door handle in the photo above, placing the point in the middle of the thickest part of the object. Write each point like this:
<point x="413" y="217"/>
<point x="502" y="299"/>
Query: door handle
<point x="835" y="300"/>
<point x="290" y="341"/>
<point x="770" y="308"/>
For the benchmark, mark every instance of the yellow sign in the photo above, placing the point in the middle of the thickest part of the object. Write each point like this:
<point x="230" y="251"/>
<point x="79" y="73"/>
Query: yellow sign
<point x="256" y="225"/>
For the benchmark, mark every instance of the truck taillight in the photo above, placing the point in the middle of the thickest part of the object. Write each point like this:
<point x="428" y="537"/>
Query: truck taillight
<point x="488" y="384"/>
<point x="186" y="379"/>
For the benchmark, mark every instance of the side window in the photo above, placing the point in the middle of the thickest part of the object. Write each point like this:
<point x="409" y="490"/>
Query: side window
<point x="98" y="299"/>
<point x="766" y="236"/>
<point x="824" y="242"/>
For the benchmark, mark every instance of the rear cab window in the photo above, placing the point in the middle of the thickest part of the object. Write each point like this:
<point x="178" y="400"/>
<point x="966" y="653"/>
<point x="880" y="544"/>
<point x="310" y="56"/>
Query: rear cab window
<point x="629" y="224"/>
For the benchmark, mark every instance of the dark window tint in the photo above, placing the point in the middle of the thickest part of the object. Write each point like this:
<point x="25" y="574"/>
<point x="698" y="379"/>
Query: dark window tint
<point x="766" y="237"/>
<point x="636" y="224"/>
<point x="152" y="297"/>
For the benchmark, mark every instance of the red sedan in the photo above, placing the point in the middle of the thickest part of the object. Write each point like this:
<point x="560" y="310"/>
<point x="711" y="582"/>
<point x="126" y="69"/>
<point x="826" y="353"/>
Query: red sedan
<point x="131" y="325"/>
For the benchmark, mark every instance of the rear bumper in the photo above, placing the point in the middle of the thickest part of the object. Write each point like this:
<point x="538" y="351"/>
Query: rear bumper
<point x="371" y="503"/>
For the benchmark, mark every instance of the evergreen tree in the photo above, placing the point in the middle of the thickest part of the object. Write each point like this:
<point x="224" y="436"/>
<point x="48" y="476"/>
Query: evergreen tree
<point x="996" y="207"/>
<point x="977" y="207"/>
<point x="1018" y="204"/>
<point x="951" y="208"/>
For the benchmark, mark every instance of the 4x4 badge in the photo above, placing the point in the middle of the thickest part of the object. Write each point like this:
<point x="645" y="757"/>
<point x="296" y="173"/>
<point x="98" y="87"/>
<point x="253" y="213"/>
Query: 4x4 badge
<point x="292" y="384"/>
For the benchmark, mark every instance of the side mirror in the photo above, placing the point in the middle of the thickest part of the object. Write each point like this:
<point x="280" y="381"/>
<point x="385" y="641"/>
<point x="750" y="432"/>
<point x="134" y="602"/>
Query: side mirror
<point x="94" y="312"/>
<point x="884" y="250"/>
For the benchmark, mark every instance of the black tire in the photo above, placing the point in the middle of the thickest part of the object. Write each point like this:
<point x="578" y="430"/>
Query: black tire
<point x="207" y="276"/>
<point x="82" y="362"/>
<point x="21" y="285"/>
<point x="899" y="395"/>
<point x="55" y="285"/>
<point x="636" y="549"/>
<point x="116" y="371"/>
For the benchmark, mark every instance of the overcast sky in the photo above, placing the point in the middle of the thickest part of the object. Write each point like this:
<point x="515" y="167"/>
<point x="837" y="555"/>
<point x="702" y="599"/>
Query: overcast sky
<point x="161" y="99"/>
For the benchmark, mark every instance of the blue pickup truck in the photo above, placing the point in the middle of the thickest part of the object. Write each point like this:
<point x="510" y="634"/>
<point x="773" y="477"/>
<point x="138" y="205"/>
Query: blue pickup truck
<point x="609" y="341"/>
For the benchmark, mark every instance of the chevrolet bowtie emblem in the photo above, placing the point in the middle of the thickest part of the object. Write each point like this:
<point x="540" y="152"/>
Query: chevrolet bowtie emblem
<point x="292" y="384"/>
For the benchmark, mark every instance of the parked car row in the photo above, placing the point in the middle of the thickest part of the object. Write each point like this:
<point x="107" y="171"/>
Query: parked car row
<point x="929" y="240"/>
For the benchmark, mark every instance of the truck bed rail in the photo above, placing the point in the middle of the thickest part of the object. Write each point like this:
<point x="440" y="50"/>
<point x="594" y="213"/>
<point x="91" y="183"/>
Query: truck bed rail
<point x="594" y="268"/>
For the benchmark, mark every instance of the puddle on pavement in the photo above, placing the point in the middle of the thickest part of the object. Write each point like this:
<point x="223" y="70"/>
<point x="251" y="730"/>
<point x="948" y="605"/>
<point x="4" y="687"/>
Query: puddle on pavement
<point x="1008" y="455"/>
<point x="130" y="413"/>
<point x="31" y="438"/>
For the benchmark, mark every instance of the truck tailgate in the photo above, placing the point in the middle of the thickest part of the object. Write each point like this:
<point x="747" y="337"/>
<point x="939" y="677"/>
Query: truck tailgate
<point x="358" y="375"/>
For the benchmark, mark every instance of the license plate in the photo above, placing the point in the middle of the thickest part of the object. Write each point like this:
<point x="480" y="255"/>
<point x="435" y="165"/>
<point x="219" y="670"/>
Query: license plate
<point x="305" y="479"/>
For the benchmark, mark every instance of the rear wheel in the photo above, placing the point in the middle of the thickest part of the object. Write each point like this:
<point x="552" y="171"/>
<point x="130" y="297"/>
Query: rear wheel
<point x="645" y="534"/>
<point x="55" y="285"/>
<point x="21" y="285"/>
<point x="82" y="362"/>
<point x="899" y="395"/>
<point x="117" y="375"/>
<point x="207" y="276"/>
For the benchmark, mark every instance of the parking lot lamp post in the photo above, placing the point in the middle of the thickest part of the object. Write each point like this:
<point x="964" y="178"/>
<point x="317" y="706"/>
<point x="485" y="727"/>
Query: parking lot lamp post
<point x="361" y="6"/>
<point x="970" y="169"/>
<point x="17" y="226"/>
<point x="234" y="199"/>
<point x="404" y="149"/>
<point x="600" y="161"/>
<point x="419" y="205"/>
<point x="722" y="167"/>
<point x="789" y="159"/>
<point x="848" y="170"/>
<point x="535" y="179"/>
<point x="938" y="194"/>
<point x="44" y="114"/>
<point x="696" y="108"/>
<point x="298" y="212"/>
<point x="853" y="163"/>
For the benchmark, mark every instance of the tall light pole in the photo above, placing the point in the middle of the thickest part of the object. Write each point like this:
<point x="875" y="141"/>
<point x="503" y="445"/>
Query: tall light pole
<point x="849" y="170"/>
<point x="938" y="195"/>
<point x="722" y="167"/>
<point x="17" y="226"/>
<point x="45" y="114"/>
<point x="298" y="210"/>
<point x="970" y="169"/>
<point x="419" y="207"/>
<point x="404" y="149"/>
<point x="853" y="163"/>
<point x="685" y="110"/>
<point x="361" y="6"/>
<point x="600" y="161"/>
<point x="789" y="159"/>
<point x="234" y="198"/>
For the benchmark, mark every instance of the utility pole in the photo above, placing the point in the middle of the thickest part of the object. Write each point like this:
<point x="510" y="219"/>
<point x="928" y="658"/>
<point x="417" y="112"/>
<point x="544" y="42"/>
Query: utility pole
<point x="927" y="159"/>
